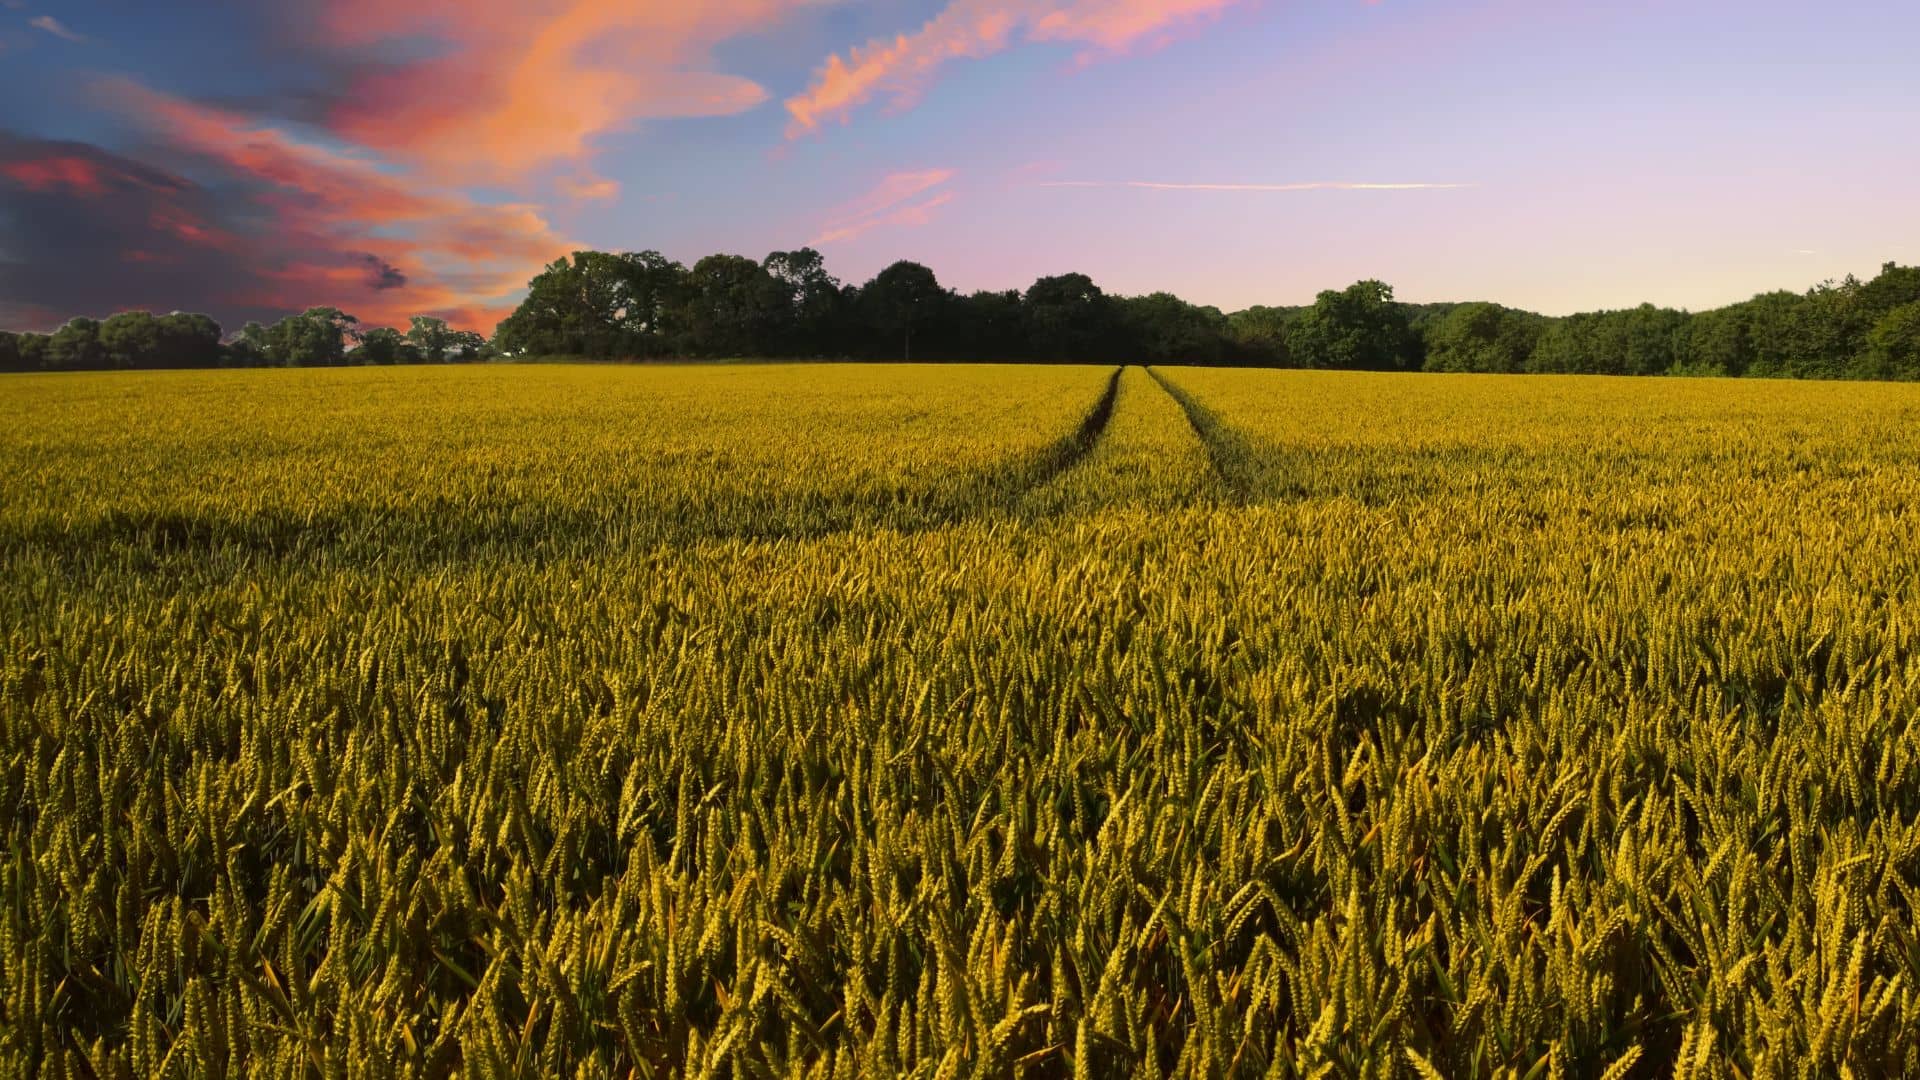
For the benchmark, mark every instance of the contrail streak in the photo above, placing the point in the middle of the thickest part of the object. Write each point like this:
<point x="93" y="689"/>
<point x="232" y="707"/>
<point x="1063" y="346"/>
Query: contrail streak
<point x="1318" y="185"/>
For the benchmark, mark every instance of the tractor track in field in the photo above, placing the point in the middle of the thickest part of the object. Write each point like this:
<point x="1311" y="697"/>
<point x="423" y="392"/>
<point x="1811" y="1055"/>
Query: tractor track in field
<point x="435" y="534"/>
<point x="1073" y="449"/>
<point x="1226" y="448"/>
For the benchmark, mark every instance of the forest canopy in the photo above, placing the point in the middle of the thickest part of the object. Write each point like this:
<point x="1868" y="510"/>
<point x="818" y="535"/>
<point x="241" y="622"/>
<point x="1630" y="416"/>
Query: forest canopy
<point x="643" y="306"/>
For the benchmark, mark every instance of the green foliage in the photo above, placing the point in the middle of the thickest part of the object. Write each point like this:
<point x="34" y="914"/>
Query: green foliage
<point x="1161" y="328"/>
<point x="989" y="721"/>
<point x="995" y="325"/>
<point x="900" y="300"/>
<point x="129" y="337"/>
<point x="1639" y="341"/>
<point x="385" y="345"/>
<point x="316" y="337"/>
<point x="733" y="307"/>
<point x="643" y="306"/>
<point x="1893" y="347"/>
<point x="593" y="304"/>
<point x="1483" y="337"/>
<point x="1259" y="334"/>
<point x="75" y="347"/>
<point x="33" y="351"/>
<point x="1358" y="328"/>
<point x="816" y="308"/>
<point x="1069" y="318"/>
<point x="433" y="338"/>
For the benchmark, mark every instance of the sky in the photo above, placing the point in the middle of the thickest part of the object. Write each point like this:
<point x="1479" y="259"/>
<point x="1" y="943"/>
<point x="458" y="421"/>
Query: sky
<point x="247" y="158"/>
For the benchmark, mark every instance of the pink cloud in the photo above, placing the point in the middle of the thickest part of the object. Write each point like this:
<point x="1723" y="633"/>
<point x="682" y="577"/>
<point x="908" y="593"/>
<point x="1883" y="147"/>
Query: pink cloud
<point x="75" y="174"/>
<point x="895" y="201"/>
<point x="900" y="68"/>
<point x="344" y="229"/>
<point x="516" y="86"/>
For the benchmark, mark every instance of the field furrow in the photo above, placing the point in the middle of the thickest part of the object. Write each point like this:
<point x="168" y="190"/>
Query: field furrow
<point x="1148" y="459"/>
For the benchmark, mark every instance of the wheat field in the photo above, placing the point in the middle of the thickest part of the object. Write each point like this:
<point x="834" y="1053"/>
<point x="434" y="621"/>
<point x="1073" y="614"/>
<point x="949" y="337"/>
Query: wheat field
<point x="837" y="720"/>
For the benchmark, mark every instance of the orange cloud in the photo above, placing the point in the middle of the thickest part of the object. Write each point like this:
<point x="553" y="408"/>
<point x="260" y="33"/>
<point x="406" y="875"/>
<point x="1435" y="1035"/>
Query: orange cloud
<point x="516" y="86"/>
<point x="969" y="29"/>
<point x="344" y="229"/>
<point x="890" y="203"/>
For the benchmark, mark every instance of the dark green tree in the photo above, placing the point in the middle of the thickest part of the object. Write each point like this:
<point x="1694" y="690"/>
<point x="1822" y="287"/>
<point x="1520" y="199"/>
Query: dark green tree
<point x="1071" y="319"/>
<point x="431" y="336"/>
<point x="1258" y="335"/>
<point x="1359" y="327"/>
<point x="251" y="347"/>
<point x="993" y="326"/>
<point x="317" y="337"/>
<point x="1773" y="323"/>
<point x="576" y="306"/>
<point x="1832" y="330"/>
<point x="1161" y="328"/>
<point x="815" y="309"/>
<point x="34" y="349"/>
<point x="384" y="345"/>
<point x="188" y="339"/>
<point x="1718" y="342"/>
<point x="76" y="347"/>
<point x="1482" y="337"/>
<point x="1893" y="345"/>
<point x="469" y="347"/>
<point x="901" y="300"/>
<point x="656" y="286"/>
<point x="596" y="304"/>
<point x="733" y="307"/>
<point x="131" y="339"/>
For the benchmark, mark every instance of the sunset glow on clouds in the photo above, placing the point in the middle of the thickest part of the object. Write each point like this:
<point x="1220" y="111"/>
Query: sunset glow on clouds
<point x="343" y="227"/>
<point x="901" y="68"/>
<point x="899" y="199"/>
<point x="429" y="157"/>
<point x="78" y="175"/>
<point x="516" y="86"/>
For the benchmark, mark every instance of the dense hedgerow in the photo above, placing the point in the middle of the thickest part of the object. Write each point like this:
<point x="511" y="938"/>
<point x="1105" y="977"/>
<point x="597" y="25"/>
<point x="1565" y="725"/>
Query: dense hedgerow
<point x="826" y="721"/>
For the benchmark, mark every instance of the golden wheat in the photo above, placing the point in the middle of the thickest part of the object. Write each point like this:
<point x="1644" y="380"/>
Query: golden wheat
<point x="872" y="721"/>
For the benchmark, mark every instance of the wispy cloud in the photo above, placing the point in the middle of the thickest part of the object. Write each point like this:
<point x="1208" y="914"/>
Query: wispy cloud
<point x="588" y="188"/>
<point x="900" y="68"/>
<point x="73" y="173"/>
<point x="900" y="198"/>
<point x="1315" y="185"/>
<point x="55" y="27"/>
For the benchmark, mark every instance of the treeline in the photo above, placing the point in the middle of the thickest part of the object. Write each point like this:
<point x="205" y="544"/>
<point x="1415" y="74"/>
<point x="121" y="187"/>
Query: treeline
<point x="641" y="306"/>
<point x="317" y="337"/>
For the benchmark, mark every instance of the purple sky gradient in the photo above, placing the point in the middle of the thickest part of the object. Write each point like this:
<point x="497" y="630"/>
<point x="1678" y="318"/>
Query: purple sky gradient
<point x="1557" y="156"/>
